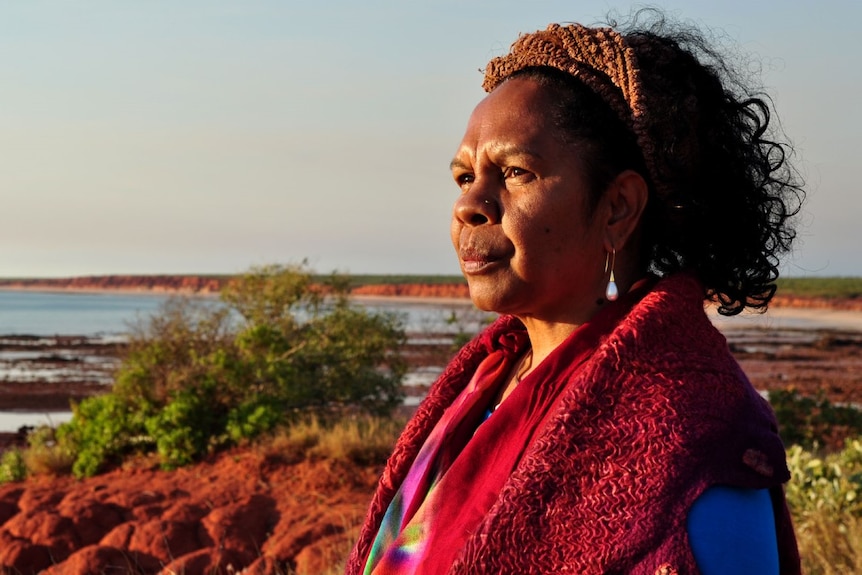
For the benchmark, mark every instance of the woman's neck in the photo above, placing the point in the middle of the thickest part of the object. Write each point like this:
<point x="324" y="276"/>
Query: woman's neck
<point x="545" y="335"/>
<point x="544" y="338"/>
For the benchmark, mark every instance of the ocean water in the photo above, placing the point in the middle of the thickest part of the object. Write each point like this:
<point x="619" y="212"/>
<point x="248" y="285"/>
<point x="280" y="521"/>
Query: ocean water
<point x="96" y="314"/>
<point x="66" y="313"/>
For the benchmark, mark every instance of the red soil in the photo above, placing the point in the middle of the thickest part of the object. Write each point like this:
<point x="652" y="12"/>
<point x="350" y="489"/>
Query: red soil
<point x="240" y="510"/>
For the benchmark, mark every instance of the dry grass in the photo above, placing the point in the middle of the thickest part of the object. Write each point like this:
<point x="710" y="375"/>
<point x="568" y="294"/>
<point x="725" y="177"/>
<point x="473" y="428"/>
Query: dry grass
<point x="48" y="460"/>
<point x="45" y="456"/>
<point x="830" y="545"/>
<point x="362" y="440"/>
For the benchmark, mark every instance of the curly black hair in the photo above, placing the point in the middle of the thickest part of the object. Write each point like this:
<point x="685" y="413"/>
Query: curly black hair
<point x="724" y="207"/>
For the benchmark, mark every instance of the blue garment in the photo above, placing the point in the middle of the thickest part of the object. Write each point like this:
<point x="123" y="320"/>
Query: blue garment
<point x="732" y="530"/>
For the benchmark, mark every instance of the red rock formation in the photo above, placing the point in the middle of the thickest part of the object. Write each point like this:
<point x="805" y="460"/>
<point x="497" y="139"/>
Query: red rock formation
<point x="241" y="510"/>
<point x="414" y="290"/>
<point x="155" y="283"/>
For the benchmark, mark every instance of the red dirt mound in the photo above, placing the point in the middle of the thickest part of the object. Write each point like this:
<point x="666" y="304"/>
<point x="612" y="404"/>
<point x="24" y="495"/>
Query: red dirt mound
<point x="242" y="510"/>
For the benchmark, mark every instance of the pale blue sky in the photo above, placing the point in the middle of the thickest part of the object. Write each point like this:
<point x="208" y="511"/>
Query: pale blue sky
<point x="169" y="136"/>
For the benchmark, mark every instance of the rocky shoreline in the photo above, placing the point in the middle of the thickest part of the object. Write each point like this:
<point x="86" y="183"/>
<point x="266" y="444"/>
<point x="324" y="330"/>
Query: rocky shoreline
<point x="45" y="373"/>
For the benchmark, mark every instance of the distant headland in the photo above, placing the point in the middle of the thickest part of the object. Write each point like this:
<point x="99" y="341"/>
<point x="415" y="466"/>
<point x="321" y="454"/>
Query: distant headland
<point x="362" y="285"/>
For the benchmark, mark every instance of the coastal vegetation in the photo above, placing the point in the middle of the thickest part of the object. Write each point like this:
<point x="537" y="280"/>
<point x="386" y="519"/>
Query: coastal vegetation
<point x="278" y="347"/>
<point x="824" y="493"/>
<point x="825" y="499"/>
<point x="821" y="287"/>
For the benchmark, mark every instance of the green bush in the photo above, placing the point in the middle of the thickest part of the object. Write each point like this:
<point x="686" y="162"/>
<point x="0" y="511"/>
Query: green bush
<point x="103" y="429"/>
<point x="822" y="287"/>
<point x="183" y="428"/>
<point x="201" y="374"/>
<point x="831" y="482"/>
<point x="814" y="422"/>
<point x="825" y="498"/>
<point x="12" y="467"/>
<point x="252" y="418"/>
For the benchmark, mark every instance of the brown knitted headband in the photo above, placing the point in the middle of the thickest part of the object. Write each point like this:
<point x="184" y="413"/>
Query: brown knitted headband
<point x="599" y="57"/>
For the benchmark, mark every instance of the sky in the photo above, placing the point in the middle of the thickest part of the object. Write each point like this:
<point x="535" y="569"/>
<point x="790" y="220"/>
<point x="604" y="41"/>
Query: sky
<point x="208" y="136"/>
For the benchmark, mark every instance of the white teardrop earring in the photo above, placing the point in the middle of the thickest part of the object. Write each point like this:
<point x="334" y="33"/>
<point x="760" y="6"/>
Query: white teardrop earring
<point x="612" y="293"/>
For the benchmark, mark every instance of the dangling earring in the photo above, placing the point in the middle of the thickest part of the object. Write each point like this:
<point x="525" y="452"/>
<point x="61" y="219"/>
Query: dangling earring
<point x="612" y="293"/>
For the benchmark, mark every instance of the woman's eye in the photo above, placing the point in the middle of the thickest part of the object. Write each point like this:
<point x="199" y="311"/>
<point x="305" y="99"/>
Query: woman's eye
<point x="513" y="172"/>
<point x="463" y="179"/>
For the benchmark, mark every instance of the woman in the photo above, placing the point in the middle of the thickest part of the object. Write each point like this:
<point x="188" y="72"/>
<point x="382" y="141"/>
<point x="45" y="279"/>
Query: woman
<point x="611" y="182"/>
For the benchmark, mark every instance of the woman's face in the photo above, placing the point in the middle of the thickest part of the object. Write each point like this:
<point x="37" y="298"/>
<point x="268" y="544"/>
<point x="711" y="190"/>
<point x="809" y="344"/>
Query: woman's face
<point x="526" y="238"/>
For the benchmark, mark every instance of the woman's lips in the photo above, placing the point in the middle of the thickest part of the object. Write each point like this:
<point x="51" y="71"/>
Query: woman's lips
<point x="473" y="261"/>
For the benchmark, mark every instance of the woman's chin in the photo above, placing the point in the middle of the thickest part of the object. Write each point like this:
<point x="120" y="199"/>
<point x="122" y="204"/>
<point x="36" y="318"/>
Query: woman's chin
<point x="482" y="305"/>
<point x="488" y="296"/>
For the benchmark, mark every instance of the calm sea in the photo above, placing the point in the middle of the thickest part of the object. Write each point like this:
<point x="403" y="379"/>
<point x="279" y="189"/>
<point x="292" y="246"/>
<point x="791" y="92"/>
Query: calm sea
<point x="90" y="314"/>
<point x="61" y="313"/>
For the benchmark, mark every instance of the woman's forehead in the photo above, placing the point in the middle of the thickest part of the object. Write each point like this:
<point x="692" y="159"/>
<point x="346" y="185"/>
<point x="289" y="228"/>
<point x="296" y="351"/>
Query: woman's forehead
<point x="512" y="115"/>
<point x="517" y="101"/>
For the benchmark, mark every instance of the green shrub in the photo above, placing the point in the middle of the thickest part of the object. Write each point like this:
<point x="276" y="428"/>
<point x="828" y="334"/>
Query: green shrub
<point x="831" y="482"/>
<point x="253" y="418"/>
<point x="825" y="498"/>
<point x="189" y="341"/>
<point x="102" y="429"/>
<point x="814" y="422"/>
<point x="203" y="373"/>
<point x="12" y="467"/>
<point x="182" y="430"/>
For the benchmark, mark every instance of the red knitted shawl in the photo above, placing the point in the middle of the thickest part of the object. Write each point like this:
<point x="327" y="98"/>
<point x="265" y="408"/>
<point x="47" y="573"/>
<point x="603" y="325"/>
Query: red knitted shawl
<point x="657" y="415"/>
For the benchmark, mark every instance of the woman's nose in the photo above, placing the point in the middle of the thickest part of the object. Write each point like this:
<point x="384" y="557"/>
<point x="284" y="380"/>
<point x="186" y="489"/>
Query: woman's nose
<point x="475" y="208"/>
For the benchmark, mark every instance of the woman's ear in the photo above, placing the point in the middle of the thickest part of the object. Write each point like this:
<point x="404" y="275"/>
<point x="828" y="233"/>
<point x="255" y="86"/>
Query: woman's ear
<point x="626" y="198"/>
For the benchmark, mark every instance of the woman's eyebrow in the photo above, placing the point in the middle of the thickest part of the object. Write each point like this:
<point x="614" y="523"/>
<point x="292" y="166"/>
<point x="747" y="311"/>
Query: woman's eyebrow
<point x="513" y="150"/>
<point x="503" y="150"/>
<point x="458" y="164"/>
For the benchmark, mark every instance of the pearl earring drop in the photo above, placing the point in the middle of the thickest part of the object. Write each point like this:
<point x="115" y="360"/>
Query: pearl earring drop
<point x="612" y="293"/>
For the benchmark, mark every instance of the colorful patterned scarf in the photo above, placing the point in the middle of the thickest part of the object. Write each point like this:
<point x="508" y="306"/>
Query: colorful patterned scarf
<point x="464" y="463"/>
